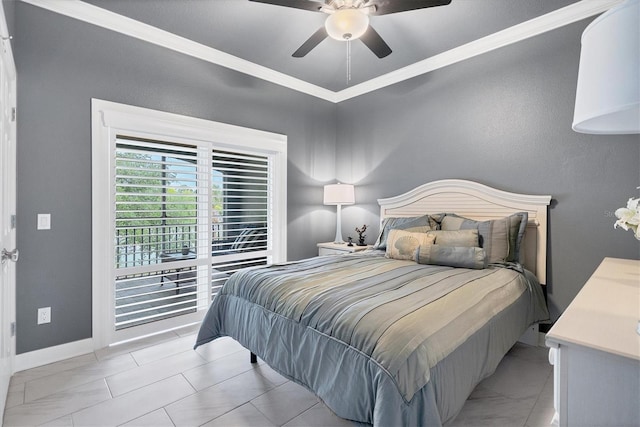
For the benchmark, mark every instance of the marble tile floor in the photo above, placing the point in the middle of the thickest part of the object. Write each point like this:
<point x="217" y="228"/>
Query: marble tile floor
<point x="161" y="381"/>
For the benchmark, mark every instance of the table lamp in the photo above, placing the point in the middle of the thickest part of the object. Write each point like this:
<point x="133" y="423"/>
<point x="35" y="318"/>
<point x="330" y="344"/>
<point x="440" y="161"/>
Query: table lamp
<point x="339" y="194"/>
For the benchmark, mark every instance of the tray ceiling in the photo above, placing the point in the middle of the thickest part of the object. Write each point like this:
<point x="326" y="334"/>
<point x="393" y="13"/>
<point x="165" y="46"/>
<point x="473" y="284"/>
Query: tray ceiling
<point x="259" y="39"/>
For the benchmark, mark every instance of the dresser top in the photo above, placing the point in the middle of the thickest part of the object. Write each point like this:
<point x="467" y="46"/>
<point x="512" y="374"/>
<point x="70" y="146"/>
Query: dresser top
<point x="605" y="313"/>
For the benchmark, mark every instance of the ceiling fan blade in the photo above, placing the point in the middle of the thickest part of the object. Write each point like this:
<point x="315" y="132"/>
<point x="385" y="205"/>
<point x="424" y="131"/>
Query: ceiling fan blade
<point x="296" y="4"/>
<point x="385" y="7"/>
<point x="311" y="42"/>
<point x="373" y="41"/>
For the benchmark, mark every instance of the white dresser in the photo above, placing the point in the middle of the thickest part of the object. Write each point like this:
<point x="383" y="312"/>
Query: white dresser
<point x="595" y="350"/>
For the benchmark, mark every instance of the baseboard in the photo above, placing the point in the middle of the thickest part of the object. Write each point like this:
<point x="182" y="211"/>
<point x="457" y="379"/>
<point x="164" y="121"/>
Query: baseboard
<point x="542" y="337"/>
<point x="33" y="359"/>
<point x="532" y="336"/>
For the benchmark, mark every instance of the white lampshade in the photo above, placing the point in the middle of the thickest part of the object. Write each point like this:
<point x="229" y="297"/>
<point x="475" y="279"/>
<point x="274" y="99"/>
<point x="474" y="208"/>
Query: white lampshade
<point x="339" y="194"/>
<point x="346" y="24"/>
<point x="608" y="93"/>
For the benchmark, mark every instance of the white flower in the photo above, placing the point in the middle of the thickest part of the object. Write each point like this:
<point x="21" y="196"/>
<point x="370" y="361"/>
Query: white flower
<point x="629" y="217"/>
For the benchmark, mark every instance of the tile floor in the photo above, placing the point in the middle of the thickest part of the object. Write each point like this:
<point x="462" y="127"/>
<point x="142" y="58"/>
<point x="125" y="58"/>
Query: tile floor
<point x="161" y="381"/>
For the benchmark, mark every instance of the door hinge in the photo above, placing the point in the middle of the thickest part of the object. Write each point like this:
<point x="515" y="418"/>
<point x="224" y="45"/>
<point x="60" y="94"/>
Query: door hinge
<point x="13" y="221"/>
<point x="13" y="329"/>
<point x="13" y="114"/>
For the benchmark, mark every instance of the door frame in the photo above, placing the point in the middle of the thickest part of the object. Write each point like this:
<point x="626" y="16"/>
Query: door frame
<point x="110" y="119"/>
<point x="7" y="212"/>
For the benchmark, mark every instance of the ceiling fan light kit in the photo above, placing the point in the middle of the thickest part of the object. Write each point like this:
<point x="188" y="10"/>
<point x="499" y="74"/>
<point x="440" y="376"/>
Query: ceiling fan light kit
<point x="349" y="20"/>
<point x="346" y="24"/>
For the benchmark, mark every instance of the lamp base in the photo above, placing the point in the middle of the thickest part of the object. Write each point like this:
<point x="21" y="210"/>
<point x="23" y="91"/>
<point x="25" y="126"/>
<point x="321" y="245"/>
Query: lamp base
<point x="338" y="240"/>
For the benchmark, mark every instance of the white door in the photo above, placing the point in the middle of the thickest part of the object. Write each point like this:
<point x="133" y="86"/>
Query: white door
<point x="8" y="252"/>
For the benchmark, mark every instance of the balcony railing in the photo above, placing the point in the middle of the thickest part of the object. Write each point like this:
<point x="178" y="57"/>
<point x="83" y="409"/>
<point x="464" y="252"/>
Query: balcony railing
<point x="143" y="245"/>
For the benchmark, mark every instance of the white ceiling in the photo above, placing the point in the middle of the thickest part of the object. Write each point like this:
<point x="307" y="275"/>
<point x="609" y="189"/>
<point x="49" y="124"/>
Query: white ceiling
<point x="258" y="39"/>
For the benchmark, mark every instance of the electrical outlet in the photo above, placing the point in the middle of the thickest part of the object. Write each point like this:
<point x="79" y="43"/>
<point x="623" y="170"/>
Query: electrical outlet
<point x="44" y="315"/>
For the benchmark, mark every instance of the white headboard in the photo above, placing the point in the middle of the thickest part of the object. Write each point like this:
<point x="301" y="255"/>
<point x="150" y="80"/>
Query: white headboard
<point x="479" y="202"/>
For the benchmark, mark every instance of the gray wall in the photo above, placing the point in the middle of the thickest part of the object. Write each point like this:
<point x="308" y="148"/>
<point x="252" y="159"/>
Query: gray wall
<point x="503" y="119"/>
<point x="63" y="63"/>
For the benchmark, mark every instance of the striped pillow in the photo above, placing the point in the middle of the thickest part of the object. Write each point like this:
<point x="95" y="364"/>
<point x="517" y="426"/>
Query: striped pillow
<point x="501" y="238"/>
<point x="452" y="256"/>
<point x="416" y="224"/>
<point x="466" y="238"/>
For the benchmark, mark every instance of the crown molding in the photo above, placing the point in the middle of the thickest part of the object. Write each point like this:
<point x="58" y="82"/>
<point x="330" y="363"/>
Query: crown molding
<point x="130" y="27"/>
<point x="536" y="26"/>
<point x="121" y="24"/>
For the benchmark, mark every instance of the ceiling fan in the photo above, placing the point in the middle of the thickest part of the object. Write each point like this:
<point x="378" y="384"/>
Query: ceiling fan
<point x="349" y="20"/>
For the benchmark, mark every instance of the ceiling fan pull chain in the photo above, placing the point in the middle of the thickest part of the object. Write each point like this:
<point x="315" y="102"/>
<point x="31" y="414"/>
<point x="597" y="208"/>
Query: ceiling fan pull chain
<point x="348" y="61"/>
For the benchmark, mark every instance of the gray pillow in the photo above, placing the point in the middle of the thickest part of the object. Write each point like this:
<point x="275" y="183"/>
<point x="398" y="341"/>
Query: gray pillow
<point x="416" y="224"/>
<point x="468" y="238"/>
<point x="501" y="238"/>
<point x="451" y="256"/>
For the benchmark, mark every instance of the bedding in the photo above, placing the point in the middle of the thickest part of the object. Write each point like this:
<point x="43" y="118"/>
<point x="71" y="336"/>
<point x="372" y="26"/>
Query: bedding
<point x="468" y="238"/>
<point x="379" y="340"/>
<point x="452" y="256"/>
<point x="415" y="224"/>
<point x="403" y="244"/>
<point x="501" y="238"/>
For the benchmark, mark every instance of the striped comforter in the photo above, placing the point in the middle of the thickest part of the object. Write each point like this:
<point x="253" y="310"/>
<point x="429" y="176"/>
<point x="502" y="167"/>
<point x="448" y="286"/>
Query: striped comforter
<point x="403" y="316"/>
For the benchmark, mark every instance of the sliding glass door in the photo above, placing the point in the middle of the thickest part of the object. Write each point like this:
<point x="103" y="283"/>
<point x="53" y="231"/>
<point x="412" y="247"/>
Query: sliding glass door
<point x="184" y="215"/>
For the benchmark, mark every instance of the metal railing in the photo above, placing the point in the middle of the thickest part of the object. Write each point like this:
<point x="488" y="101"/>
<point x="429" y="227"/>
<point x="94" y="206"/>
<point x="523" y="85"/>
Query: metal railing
<point x="143" y="245"/>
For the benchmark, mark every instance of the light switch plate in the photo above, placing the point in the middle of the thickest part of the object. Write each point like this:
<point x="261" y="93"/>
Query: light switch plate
<point x="44" y="221"/>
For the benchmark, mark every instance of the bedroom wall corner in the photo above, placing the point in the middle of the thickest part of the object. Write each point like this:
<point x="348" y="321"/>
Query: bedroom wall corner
<point x="502" y="119"/>
<point x="62" y="64"/>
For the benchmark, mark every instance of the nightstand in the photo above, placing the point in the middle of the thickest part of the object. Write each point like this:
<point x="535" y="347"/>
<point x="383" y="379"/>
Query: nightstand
<point x="331" y="248"/>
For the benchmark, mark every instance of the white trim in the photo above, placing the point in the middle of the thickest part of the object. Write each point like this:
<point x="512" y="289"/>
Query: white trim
<point x="462" y="186"/>
<point x="8" y="149"/>
<point x="110" y="119"/>
<point x="33" y="359"/>
<point x="536" y="26"/>
<point x="112" y="21"/>
<point x="121" y="24"/>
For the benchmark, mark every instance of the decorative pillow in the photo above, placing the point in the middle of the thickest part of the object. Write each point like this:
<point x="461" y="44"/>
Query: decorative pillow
<point x="413" y="224"/>
<point x="402" y="244"/>
<point x="500" y="238"/>
<point x="467" y="238"/>
<point x="452" y="256"/>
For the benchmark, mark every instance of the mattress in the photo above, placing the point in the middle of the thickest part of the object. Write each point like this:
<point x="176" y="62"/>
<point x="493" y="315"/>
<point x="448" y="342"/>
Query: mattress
<point x="380" y="341"/>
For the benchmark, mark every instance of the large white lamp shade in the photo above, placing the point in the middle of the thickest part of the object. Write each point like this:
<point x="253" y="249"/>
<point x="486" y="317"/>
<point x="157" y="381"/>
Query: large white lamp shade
<point x="339" y="194"/>
<point x="608" y="92"/>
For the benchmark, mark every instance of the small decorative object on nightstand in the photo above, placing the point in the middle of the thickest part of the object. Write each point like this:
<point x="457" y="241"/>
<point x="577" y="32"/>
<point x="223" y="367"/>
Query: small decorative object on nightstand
<point x="361" y="235"/>
<point x="331" y="248"/>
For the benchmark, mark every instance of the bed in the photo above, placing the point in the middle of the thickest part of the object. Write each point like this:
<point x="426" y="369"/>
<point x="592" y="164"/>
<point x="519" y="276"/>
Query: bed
<point x="383" y="339"/>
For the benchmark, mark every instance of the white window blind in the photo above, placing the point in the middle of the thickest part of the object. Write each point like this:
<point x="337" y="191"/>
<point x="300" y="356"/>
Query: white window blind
<point x="165" y="227"/>
<point x="158" y="191"/>
<point x="241" y="204"/>
<point x="179" y="205"/>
